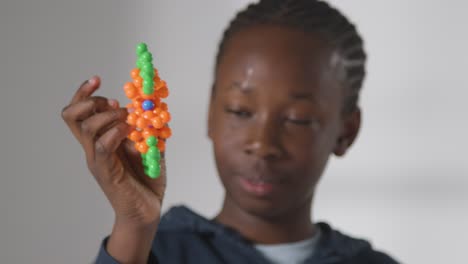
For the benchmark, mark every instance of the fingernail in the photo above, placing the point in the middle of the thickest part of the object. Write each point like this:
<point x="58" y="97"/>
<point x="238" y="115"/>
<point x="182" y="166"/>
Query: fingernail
<point x="111" y="102"/>
<point x="92" y="81"/>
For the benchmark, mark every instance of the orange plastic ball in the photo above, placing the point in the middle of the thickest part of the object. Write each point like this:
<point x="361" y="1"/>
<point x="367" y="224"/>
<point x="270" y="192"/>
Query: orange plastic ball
<point x="136" y="104"/>
<point x="156" y="80"/>
<point x="142" y="123"/>
<point x="157" y="122"/>
<point x="146" y="133"/>
<point x="164" y="106"/>
<point x="163" y="92"/>
<point x="135" y="136"/>
<point x="129" y="86"/>
<point x="141" y="147"/>
<point x="148" y="114"/>
<point x="161" y="145"/>
<point x="159" y="85"/>
<point x="165" y="116"/>
<point x="135" y="73"/>
<point x="132" y="119"/>
<point x="138" y="111"/>
<point x="157" y="111"/>
<point x="130" y="90"/>
<point x="130" y="94"/>
<point x="138" y="82"/>
<point x="151" y="131"/>
<point x="156" y="101"/>
<point x="165" y="132"/>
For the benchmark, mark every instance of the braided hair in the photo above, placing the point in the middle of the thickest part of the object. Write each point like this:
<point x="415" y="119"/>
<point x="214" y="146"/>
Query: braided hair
<point x="312" y="16"/>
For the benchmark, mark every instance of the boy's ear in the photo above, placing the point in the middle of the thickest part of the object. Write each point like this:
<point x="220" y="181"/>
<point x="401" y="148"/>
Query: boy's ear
<point x="210" y="119"/>
<point x="350" y="129"/>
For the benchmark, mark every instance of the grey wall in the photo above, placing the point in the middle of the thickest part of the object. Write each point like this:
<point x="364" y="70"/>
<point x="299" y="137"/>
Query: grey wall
<point x="403" y="185"/>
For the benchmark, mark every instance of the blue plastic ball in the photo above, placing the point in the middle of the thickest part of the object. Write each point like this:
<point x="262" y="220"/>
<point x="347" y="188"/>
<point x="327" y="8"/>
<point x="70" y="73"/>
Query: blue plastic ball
<point x="147" y="105"/>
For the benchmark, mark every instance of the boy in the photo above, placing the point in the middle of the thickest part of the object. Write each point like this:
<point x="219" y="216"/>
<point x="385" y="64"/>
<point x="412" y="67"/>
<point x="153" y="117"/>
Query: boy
<point x="284" y="98"/>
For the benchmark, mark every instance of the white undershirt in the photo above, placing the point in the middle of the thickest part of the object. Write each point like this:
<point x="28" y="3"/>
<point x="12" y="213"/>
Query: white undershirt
<point x="290" y="253"/>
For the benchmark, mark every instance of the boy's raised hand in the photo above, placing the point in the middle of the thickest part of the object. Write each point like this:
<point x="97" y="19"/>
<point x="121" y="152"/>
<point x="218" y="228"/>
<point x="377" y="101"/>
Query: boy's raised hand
<point x="99" y="124"/>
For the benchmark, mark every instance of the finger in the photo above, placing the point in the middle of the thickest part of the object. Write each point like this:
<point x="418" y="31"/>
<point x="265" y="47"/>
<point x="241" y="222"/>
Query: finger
<point x="86" y="89"/>
<point x="86" y="108"/>
<point x="130" y="157"/>
<point x="107" y="144"/>
<point x="75" y="113"/>
<point x="107" y="160"/>
<point x="122" y="118"/>
<point x="98" y="125"/>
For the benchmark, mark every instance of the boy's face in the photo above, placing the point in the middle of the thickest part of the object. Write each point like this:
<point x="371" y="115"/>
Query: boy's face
<point x="275" y="118"/>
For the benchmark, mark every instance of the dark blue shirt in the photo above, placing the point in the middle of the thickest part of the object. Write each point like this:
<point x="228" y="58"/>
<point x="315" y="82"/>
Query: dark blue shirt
<point x="186" y="237"/>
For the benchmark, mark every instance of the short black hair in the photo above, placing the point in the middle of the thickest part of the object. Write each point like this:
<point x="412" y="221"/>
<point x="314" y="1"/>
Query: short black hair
<point x="310" y="16"/>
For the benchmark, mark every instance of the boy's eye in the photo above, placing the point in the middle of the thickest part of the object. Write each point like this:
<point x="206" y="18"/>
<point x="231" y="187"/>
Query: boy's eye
<point x="301" y="122"/>
<point x="238" y="112"/>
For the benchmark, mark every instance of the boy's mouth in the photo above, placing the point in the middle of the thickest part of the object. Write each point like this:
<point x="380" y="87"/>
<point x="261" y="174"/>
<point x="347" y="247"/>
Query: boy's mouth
<point x="257" y="187"/>
<point x="260" y="179"/>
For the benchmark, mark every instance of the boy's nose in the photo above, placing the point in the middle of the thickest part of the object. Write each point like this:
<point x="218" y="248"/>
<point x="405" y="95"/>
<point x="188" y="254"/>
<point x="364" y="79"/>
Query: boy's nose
<point x="264" y="142"/>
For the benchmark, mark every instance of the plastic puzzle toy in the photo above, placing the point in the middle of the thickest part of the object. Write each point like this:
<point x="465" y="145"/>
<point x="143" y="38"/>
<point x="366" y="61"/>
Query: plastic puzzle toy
<point x="148" y="115"/>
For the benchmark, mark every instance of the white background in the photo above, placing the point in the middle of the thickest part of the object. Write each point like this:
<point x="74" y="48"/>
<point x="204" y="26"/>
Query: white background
<point x="403" y="185"/>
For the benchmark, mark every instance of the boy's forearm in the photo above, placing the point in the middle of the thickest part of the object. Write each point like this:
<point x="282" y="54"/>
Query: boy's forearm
<point x="131" y="244"/>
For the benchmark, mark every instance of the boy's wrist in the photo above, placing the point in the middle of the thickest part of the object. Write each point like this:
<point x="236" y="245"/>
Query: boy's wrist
<point x="131" y="243"/>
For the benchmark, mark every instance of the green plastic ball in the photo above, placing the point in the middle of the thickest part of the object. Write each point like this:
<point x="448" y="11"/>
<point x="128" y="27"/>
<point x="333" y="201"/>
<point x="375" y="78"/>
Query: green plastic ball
<point x="147" y="67"/>
<point x="154" y="160"/>
<point x="142" y="62"/>
<point x="154" y="171"/>
<point x="153" y="154"/>
<point x="148" y="91"/>
<point x="145" y="76"/>
<point x="153" y="165"/>
<point x="151" y="73"/>
<point x="148" y="84"/>
<point x="146" y="56"/>
<point x="142" y="47"/>
<point x="151" y="141"/>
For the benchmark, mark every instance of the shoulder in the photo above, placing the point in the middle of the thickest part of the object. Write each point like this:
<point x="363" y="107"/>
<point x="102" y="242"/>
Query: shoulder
<point x="181" y="222"/>
<point x="183" y="236"/>
<point x="181" y="233"/>
<point x="350" y="250"/>
<point x="373" y="257"/>
<point x="182" y="219"/>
